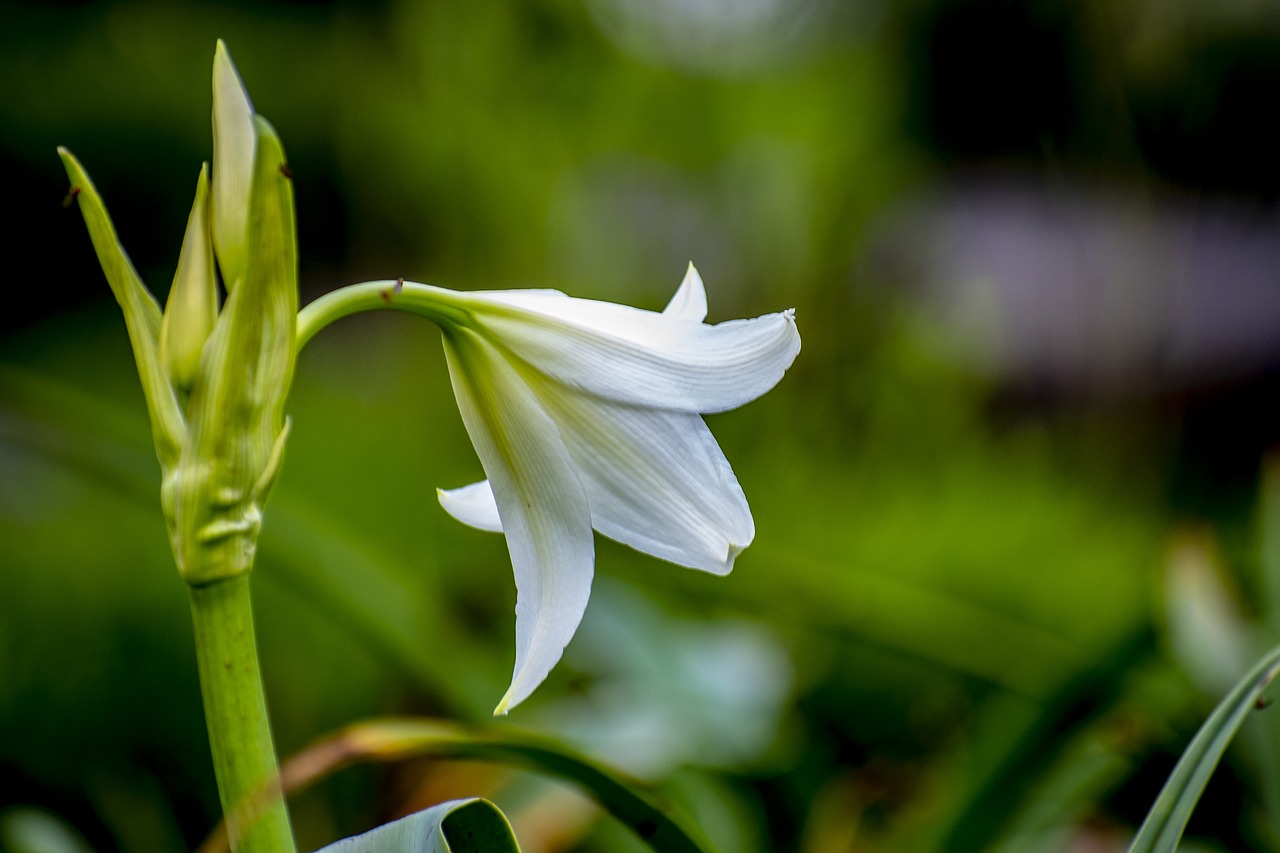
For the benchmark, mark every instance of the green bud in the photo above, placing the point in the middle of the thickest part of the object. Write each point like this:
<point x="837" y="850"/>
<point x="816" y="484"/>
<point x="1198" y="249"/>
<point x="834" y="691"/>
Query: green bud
<point x="192" y="308"/>
<point x="234" y="147"/>
<point x="219" y="456"/>
<point x="237" y="429"/>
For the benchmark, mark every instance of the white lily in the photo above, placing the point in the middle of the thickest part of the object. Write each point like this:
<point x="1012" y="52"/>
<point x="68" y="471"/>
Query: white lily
<point x="587" y="414"/>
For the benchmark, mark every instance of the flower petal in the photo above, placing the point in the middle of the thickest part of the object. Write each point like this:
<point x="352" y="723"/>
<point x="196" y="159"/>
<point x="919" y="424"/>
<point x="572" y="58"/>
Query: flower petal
<point x="473" y="505"/>
<point x="655" y="480"/>
<point x="690" y="301"/>
<point x="540" y="499"/>
<point x="639" y="357"/>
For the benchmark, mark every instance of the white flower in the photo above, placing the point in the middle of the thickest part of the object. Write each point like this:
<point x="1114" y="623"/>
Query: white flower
<point x="589" y="414"/>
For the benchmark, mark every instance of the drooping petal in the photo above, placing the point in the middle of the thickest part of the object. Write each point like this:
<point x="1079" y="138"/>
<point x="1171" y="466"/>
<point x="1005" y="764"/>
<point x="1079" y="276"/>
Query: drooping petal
<point x="655" y="480"/>
<point x="473" y="505"/>
<point x="647" y="358"/>
<point x="540" y="499"/>
<point x="639" y="357"/>
<point x="690" y="301"/>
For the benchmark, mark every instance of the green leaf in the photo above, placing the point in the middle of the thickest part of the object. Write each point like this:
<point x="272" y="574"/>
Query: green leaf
<point x="1267" y="602"/>
<point x="459" y="826"/>
<point x="478" y="826"/>
<point x="141" y="313"/>
<point x="1167" y="820"/>
<point x="394" y="739"/>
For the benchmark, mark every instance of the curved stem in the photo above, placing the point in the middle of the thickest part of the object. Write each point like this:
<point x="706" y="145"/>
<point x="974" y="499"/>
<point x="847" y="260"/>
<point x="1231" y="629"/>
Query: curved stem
<point x="434" y="303"/>
<point x="235" y="708"/>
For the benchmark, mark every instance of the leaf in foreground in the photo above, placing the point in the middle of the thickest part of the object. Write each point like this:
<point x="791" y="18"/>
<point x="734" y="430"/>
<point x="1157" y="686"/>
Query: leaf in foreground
<point x="458" y="826"/>
<point x="1167" y="820"/>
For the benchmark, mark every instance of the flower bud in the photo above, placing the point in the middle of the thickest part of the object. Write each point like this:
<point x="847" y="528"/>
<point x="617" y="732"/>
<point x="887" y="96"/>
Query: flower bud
<point x="234" y="149"/>
<point x="236" y="421"/>
<point x="192" y="307"/>
<point x="220" y="447"/>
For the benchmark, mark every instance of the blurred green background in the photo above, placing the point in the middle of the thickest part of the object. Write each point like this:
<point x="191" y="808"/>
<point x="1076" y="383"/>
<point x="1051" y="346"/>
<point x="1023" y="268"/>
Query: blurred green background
<point x="1012" y="536"/>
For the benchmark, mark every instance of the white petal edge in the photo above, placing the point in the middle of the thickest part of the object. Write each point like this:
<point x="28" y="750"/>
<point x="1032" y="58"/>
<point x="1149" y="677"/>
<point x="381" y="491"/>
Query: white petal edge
<point x="540" y="500"/>
<point x="473" y="505"/>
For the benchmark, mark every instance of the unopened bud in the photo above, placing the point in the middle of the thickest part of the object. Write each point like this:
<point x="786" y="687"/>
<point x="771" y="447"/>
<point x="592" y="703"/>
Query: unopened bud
<point x="236" y="412"/>
<point x="234" y="148"/>
<point x="192" y="308"/>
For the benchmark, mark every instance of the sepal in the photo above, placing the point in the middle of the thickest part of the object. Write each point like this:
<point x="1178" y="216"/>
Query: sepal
<point x="141" y="313"/>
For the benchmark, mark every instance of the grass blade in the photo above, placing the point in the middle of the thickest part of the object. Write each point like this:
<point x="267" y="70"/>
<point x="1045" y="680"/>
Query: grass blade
<point x="1167" y="820"/>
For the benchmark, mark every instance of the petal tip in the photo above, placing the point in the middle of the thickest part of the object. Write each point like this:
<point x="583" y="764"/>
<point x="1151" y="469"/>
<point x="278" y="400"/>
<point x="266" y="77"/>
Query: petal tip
<point x="731" y="554"/>
<point x="690" y="300"/>
<point x="514" y="696"/>
<point x="473" y="505"/>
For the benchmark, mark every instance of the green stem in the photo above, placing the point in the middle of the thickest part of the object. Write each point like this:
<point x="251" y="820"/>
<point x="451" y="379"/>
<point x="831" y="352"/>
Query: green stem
<point x="435" y="303"/>
<point x="244" y="758"/>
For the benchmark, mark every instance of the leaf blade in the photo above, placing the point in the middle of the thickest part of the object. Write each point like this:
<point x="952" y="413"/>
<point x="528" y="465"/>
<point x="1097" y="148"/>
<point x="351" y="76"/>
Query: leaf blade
<point x="457" y="826"/>
<point x="1165" y="823"/>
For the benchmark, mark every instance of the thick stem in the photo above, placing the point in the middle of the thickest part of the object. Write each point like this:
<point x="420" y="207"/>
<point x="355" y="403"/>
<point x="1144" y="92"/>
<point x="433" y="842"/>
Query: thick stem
<point x="244" y="758"/>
